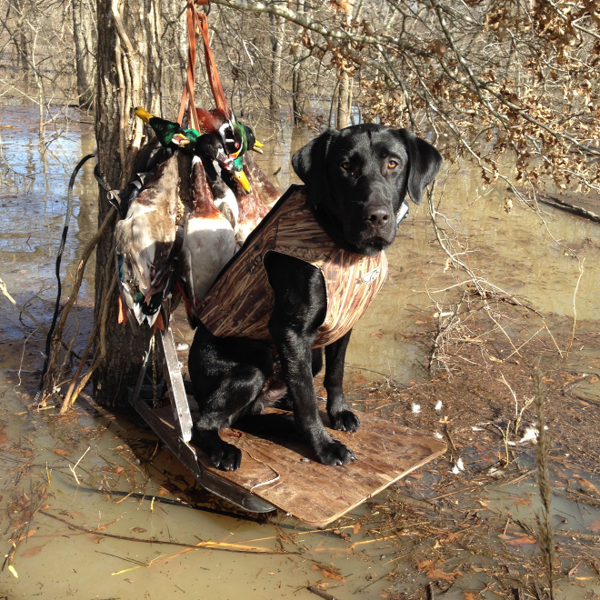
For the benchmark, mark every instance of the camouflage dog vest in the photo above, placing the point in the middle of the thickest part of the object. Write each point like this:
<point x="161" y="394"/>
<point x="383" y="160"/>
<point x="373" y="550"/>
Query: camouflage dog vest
<point x="241" y="301"/>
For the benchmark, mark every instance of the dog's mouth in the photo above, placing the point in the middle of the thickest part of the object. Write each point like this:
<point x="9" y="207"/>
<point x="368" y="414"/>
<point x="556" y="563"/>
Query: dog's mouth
<point x="372" y="244"/>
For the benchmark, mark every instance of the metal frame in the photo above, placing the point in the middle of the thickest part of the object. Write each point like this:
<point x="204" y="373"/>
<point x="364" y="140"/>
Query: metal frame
<point x="174" y="427"/>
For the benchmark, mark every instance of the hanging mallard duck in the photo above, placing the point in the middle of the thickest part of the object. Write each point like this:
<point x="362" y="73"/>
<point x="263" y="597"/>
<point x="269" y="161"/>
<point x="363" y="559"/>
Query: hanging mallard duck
<point x="169" y="134"/>
<point x="236" y="138"/>
<point x="146" y="244"/>
<point x="209" y="241"/>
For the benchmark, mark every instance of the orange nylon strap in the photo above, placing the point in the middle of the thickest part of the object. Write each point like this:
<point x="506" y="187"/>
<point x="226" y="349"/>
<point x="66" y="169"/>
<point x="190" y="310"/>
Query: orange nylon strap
<point x="211" y="68"/>
<point x="190" y="86"/>
<point x="193" y="17"/>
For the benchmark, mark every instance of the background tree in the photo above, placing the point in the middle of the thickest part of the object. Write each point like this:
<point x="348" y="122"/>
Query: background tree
<point x="84" y="34"/>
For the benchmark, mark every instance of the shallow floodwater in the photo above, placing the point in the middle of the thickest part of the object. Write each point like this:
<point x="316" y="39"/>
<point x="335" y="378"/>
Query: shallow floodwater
<point x="516" y="251"/>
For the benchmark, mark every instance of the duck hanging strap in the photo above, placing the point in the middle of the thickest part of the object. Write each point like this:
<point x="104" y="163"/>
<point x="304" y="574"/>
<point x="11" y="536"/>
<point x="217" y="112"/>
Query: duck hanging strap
<point x="195" y="18"/>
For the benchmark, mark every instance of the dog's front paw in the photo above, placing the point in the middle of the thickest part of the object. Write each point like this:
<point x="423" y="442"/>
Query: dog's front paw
<point x="230" y="459"/>
<point x="345" y="420"/>
<point x="223" y="456"/>
<point x="335" y="453"/>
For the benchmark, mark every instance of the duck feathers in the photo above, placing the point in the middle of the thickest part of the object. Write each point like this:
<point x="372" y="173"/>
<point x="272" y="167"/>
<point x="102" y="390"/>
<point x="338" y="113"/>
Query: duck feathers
<point x="146" y="243"/>
<point x="209" y="238"/>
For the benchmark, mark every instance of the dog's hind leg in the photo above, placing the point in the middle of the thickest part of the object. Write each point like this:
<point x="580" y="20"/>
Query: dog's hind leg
<point x="236" y="391"/>
<point x="227" y="375"/>
<point x="340" y="415"/>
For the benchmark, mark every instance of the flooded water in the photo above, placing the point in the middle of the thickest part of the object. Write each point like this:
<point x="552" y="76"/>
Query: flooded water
<point x="64" y="551"/>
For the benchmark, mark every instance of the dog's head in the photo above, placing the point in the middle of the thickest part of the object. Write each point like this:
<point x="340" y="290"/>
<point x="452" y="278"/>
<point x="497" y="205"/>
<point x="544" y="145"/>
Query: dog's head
<point x="357" y="179"/>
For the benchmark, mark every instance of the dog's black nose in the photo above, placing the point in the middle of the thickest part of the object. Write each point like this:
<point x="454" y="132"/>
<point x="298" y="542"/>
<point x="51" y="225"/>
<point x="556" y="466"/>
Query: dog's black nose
<point x="378" y="217"/>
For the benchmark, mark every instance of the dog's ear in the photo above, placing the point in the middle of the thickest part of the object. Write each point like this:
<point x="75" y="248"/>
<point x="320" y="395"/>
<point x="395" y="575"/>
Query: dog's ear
<point x="309" y="163"/>
<point x="425" y="162"/>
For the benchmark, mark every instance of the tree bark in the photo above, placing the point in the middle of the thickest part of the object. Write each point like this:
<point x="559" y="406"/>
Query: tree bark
<point x="300" y="102"/>
<point x="129" y="68"/>
<point x="85" y="61"/>
<point x="344" y="101"/>
<point x="277" y="33"/>
<point x="344" y="108"/>
<point x="20" y="39"/>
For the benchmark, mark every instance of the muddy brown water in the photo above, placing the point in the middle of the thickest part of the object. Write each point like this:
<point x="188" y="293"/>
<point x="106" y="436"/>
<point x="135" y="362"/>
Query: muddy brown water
<point x="516" y="250"/>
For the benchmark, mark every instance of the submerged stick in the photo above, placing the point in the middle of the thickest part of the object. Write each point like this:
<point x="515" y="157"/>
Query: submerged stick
<point x="239" y="548"/>
<point x="581" y="262"/>
<point x="320" y="593"/>
<point x="546" y="536"/>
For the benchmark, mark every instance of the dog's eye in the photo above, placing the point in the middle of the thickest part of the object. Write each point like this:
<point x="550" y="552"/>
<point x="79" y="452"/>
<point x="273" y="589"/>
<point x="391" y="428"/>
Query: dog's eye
<point x="346" y="165"/>
<point x="392" y="164"/>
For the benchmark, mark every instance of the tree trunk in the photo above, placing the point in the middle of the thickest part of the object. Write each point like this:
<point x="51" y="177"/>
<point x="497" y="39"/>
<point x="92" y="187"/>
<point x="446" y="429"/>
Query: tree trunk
<point x="277" y="33"/>
<point x="300" y="102"/>
<point x="344" y="101"/>
<point x="175" y="54"/>
<point x="20" y="39"/>
<point x="345" y="89"/>
<point x="83" y="32"/>
<point x="129" y="74"/>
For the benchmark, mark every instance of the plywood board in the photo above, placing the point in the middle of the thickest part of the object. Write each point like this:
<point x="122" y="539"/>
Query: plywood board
<point x="280" y="469"/>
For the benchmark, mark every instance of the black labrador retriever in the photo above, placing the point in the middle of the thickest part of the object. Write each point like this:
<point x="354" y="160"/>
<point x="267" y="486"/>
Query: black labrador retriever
<point x="356" y="183"/>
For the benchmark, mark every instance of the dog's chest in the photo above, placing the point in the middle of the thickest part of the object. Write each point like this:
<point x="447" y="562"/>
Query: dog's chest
<point x="241" y="301"/>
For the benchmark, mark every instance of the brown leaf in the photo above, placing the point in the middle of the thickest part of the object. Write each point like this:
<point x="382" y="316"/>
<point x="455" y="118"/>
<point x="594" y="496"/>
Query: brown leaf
<point x="27" y="535"/>
<point x="328" y="573"/>
<point x="424" y="565"/>
<point x="439" y="574"/>
<point x="32" y="552"/>
<point x="471" y="596"/>
<point x="523" y="502"/>
<point x="595" y="526"/>
<point x="586" y="486"/>
<point x="94" y="538"/>
<point x="356" y="528"/>
<point x="139" y="530"/>
<point x="60" y="452"/>
<point x="526" y="539"/>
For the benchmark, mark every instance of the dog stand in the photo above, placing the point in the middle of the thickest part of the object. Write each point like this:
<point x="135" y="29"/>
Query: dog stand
<point x="279" y="471"/>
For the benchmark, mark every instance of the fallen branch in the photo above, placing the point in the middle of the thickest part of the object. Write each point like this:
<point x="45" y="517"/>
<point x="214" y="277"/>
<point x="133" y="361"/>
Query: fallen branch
<point x="568" y="207"/>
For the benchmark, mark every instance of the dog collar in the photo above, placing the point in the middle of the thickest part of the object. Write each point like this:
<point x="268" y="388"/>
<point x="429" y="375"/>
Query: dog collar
<point x="402" y="213"/>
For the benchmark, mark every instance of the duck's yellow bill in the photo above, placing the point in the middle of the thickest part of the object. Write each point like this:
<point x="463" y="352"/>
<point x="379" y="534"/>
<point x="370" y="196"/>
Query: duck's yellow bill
<point x="241" y="177"/>
<point x="257" y="143"/>
<point x="180" y="140"/>
<point x="144" y="115"/>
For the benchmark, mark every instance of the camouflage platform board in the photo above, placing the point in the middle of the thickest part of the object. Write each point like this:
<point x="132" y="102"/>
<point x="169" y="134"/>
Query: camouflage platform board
<point x="282" y="471"/>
